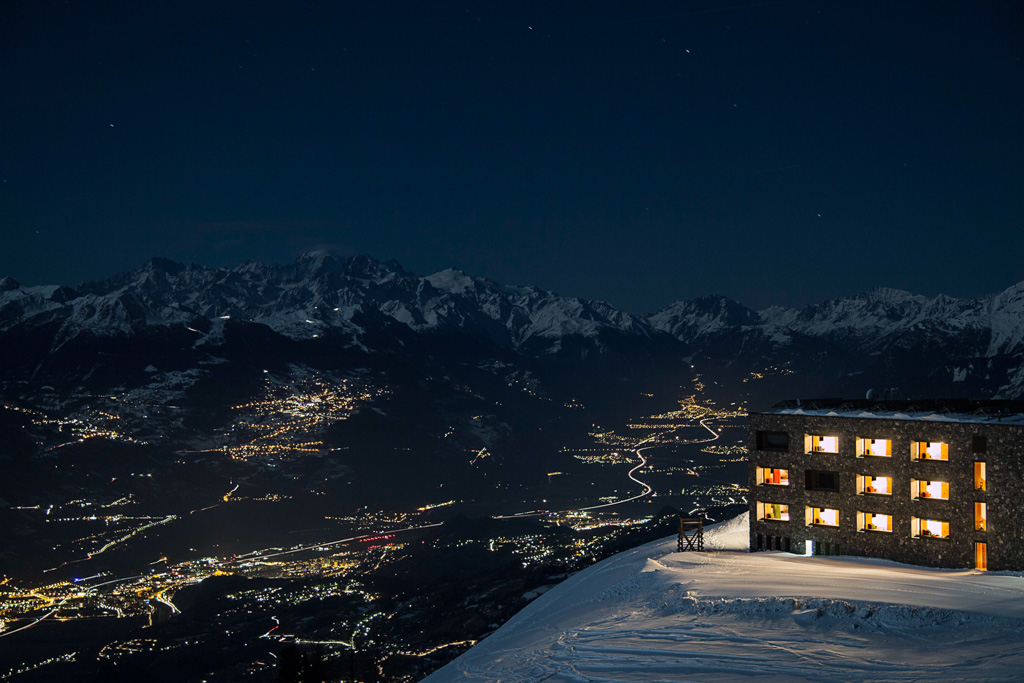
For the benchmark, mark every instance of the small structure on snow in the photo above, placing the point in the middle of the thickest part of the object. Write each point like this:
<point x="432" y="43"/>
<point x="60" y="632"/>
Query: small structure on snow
<point x="691" y="534"/>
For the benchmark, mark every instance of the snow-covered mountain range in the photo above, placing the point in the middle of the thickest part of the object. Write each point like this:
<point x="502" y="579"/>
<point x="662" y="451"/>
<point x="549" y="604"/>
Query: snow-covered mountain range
<point x="355" y="300"/>
<point x="313" y="297"/>
<point x="871" y="320"/>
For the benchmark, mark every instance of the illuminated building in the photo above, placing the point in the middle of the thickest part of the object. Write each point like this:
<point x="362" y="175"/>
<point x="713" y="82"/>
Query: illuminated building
<point x="935" y="482"/>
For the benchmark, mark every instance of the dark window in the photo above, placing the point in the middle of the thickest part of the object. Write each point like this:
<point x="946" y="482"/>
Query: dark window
<point x="822" y="480"/>
<point x="772" y="441"/>
<point x="979" y="444"/>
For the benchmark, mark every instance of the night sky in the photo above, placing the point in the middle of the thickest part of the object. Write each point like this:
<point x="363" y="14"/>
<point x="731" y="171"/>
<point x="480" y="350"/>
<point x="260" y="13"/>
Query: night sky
<point x="775" y="152"/>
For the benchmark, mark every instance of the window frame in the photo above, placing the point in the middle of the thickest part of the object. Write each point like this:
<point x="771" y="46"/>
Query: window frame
<point x="812" y="441"/>
<point x="812" y="476"/>
<point x="918" y="486"/>
<point x="918" y="530"/>
<point x="762" y="479"/>
<point x="814" y="512"/>
<point x="762" y="514"/>
<point x="763" y="439"/>
<point x="863" y="481"/>
<point x="980" y="476"/>
<point x="863" y="446"/>
<point x="918" y="451"/>
<point x="980" y="516"/>
<point x="865" y="521"/>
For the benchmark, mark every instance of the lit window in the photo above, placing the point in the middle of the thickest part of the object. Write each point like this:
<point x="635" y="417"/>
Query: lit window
<point x="824" y="516"/>
<point x="772" y="476"/>
<point x="878" y="485"/>
<point x="929" y="450"/>
<point x="980" y="517"/>
<point x="979" y="476"/>
<point x="929" y="528"/>
<point x="980" y="556"/>
<point x="773" y="512"/>
<point x="870" y="521"/>
<point x="821" y="444"/>
<point x="923" y="488"/>
<point x="881" y="448"/>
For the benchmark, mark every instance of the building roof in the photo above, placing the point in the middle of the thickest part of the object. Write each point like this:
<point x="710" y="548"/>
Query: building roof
<point x="927" y="410"/>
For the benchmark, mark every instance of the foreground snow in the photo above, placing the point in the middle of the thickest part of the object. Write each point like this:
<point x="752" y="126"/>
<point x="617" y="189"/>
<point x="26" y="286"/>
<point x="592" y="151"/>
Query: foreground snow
<point x="652" y="614"/>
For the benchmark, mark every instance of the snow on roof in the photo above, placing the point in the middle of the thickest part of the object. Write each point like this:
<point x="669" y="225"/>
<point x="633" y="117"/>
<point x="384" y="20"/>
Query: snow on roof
<point x="651" y="614"/>
<point x="1017" y="419"/>
<point x="932" y="410"/>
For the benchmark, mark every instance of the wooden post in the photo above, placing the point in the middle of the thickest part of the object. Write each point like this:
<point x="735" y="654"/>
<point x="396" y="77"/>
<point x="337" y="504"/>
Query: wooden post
<point x="691" y="534"/>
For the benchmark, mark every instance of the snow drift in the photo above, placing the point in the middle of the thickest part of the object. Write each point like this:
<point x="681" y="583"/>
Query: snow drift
<point x="652" y="614"/>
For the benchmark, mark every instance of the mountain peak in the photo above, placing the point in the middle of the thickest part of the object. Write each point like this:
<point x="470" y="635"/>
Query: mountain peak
<point x="891" y="295"/>
<point x="158" y="264"/>
<point x="365" y="266"/>
<point x="451" y="280"/>
<point x="690" y="318"/>
<point x="317" y="259"/>
<point x="8" y="284"/>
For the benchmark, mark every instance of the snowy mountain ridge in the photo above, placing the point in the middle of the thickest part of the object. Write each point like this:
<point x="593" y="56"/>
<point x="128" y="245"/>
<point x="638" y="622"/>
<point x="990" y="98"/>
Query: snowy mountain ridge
<point x="876" y="317"/>
<point x="361" y="301"/>
<point x="316" y="295"/>
<point x="690" y="319"/>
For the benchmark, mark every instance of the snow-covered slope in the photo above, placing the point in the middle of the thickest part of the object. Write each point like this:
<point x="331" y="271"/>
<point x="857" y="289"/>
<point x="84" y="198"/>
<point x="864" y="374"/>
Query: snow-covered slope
<point x="652" y="614"/>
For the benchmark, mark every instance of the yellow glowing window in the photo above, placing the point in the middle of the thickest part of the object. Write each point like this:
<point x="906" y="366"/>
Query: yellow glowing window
<point x="938" y="490"/>
<point x="979" y="476"/>
<point x="824" y="516"/>
<point x="878" y="485"/>
<point x="929" y="450"/>
<point x="929" y="528"/>
<point x="980" y="556"/>
<point x="980" y="517"/>
<point x="772" y="476"/>
<point x="870" y="521"/>
<point x="881" y="448"/>
<point x="773" y="512"/>
<point x="821" y="444"/>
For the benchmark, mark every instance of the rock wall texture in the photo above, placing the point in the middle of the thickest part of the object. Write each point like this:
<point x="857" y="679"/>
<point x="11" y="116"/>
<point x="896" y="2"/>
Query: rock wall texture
<point x="999" y="446"/>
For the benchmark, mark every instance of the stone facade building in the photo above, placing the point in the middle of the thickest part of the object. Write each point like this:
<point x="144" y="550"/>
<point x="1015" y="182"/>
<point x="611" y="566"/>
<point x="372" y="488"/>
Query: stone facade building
<point x="937" y="483"/>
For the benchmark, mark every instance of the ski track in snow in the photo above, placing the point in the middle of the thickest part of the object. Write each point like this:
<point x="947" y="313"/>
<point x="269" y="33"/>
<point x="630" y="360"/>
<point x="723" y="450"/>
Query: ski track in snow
<point x="654" y="615"/>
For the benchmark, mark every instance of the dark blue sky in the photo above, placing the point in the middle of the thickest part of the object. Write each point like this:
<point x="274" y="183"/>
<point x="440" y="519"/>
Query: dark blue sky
<point x="775" y="152"/>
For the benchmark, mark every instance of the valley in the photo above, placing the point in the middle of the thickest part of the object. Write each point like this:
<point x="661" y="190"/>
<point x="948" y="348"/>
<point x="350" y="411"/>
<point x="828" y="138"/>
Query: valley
<point x="143" y="564"/>
<point x="344" y="457"/>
